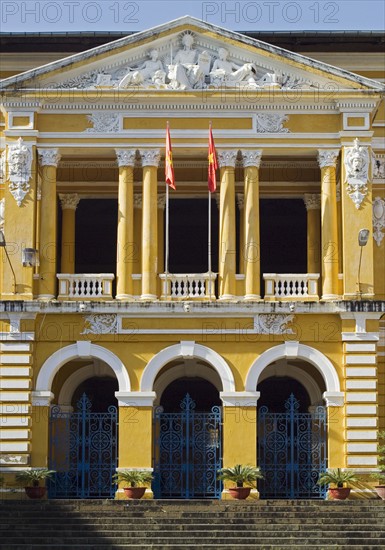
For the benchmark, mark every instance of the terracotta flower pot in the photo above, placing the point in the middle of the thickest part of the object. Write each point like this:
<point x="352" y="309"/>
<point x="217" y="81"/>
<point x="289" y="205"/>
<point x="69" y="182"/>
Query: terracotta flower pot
<point x="339" y="493"/>
<point x="134" y="492"/>
<point x="35" y="492"/>
<point x="239" y="493"/>
<point x="380" y="490"/>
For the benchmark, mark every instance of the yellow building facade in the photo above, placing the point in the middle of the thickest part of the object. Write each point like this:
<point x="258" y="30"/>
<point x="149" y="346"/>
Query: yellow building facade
<point x="257" y="337"/>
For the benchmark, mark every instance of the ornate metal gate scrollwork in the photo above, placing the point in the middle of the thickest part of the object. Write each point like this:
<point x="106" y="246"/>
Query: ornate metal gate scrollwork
<point x="187" y="452"/>
<point x="83" y="451"/>
<point x="291" y="452"/>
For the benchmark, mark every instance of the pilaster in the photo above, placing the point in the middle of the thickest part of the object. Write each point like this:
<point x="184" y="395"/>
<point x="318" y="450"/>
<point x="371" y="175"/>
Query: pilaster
<point x="48" y="160"/>
<point x="313" y="207"/>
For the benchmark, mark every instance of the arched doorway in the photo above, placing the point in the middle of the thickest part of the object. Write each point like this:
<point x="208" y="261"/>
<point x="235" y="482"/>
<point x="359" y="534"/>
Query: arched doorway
<point x="187" y="432"/>
<point x="83" y="431"/>
<point x="292" y="430"/>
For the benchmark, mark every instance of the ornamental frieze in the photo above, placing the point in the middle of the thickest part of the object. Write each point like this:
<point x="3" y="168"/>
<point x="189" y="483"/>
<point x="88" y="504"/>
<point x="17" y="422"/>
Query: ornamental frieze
<point x="105" y="323"/>
<point x="189" y="66"/>
<point x="378" y="219"/>
<point x="357" y="172"/>
<point x="273" y="323"/>
<point x="271" y="123"/>
<point x="19" y="169"/>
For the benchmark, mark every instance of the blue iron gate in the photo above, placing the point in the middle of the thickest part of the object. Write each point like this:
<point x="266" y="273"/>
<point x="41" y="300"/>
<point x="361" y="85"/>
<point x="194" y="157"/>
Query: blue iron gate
<point x="291" y="452"/>
<point x="187" y="452"/>
<point x="83" y="450"/>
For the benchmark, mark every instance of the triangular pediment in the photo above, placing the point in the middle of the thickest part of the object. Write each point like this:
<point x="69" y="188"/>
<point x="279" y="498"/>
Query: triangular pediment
<point x="188" y="54"/>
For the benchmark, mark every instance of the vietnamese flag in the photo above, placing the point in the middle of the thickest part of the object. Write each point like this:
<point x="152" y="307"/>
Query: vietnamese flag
<point x="169" y="167"/>
<point x="213" y="163"/>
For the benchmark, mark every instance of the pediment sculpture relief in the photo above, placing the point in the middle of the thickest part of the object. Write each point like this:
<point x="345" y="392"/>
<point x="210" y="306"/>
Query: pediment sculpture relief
<point x="189" y="68"/>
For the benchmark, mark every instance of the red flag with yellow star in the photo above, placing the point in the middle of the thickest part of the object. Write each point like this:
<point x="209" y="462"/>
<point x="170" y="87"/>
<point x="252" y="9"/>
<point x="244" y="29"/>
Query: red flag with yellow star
<point x="169" y="167"/>
<point x="213" y="163"/>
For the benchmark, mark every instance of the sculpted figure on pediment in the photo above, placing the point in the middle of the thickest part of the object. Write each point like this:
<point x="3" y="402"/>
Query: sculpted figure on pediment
<point x="151" y="71"/>
<point x="225" y="72"/>
<point x="185" y="70"/>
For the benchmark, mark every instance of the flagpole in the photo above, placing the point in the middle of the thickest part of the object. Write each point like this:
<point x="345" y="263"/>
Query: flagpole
<point x="167" y="243"/>
<point x="209" y="245"/>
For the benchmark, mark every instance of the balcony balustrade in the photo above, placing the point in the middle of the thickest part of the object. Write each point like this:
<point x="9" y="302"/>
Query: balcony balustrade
<point x="302" y="286"/>
<point x="85" y="286"/>
<point x="188" y="286"/>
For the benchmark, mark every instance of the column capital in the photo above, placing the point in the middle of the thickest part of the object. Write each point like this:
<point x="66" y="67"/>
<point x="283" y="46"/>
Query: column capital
<point x="69" y="201"/>
<point x="312" y="201"/>
<point x="328" y="157"/>
<point x="161" y="201"/>
<point x="125" y="157"/>
<point x="150" y="157"/>
<point x="227" y="157"/>
<point x="241" y="201"/>
<point x="49" y="157"/>
<point x="251" y="157"/>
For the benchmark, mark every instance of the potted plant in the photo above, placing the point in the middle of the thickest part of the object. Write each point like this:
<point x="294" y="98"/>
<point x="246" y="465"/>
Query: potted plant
<point x="31" y="481"/>
<point x="339" y="478"/>
<point x="136" y="480"/>
<point x="380" y="475"/>
<point x="240" y="474"/>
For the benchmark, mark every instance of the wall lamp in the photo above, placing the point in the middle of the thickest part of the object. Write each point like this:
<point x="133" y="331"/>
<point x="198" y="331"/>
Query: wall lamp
<point x="3" y="244"/>
<point x="363" y="237"/>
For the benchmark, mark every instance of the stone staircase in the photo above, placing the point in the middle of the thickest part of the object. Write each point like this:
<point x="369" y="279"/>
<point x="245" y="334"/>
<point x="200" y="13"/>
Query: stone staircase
<point x="188" y="525"/>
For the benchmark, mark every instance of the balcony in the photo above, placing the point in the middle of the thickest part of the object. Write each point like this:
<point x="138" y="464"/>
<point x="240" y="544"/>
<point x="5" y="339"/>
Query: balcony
<point x="190" y="286"/>
<point x="85" y="286"/>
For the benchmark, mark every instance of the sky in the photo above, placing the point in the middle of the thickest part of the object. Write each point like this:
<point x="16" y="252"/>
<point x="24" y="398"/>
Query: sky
<point x="138" y="15"/>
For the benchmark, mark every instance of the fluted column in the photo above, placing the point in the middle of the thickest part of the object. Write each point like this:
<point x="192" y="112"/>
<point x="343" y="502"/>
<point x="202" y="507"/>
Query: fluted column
<point x="48" y="160"/>
<point x="150" y="162"/>
<point x="69" y="203"/>
<point x="125" y="244"/>
<point x="329" y="231"/>
<point x="251" y="251"/>
<point x="227" y="225"/>
<point x="313" y="207"/>
<point x="138" y="204"/>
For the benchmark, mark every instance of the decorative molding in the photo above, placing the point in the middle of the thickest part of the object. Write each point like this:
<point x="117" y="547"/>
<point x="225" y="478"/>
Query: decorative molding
<point x="2" y="213"/>
<point x="138" y="201"/>
<point x="271" y="123"/>
<point x="150" y="157"/>
<point x="334" y="398"/>
<point x="378" y="219"/>
<point x="240" y="398"/>
<point x="312" y="201"/>
<point x="104" y="323"/>
<point x="49" y="157"/>
<point x="273" y="323"/>
<point x="19" y="169"/>
<point x="328" y="157"/>
<point x="69" y="201"/>
<point x="357" y="172"/>
<point x="226" y="157"/>
<point x="251" y="157"/>
<point x="125" y="157"/>
<point x="103" y="123"/>
<point x="161" y="199"/>
<point x="241" y="201"/>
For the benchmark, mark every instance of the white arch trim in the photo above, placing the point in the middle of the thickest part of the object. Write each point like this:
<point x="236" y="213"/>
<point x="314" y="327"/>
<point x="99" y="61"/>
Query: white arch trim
<point x="295" y="350"/>
<point x="84" y="350"/>
<point x="191" y="350"/>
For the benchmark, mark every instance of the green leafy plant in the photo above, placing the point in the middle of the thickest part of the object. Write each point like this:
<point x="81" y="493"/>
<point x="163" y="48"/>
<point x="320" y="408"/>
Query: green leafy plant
<point x="337" y="477"/>
<point x="133" y="478"/>
<point x="380" y="476"/>
<point x="34" y="476"/>
<point x="240" y="474"/>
